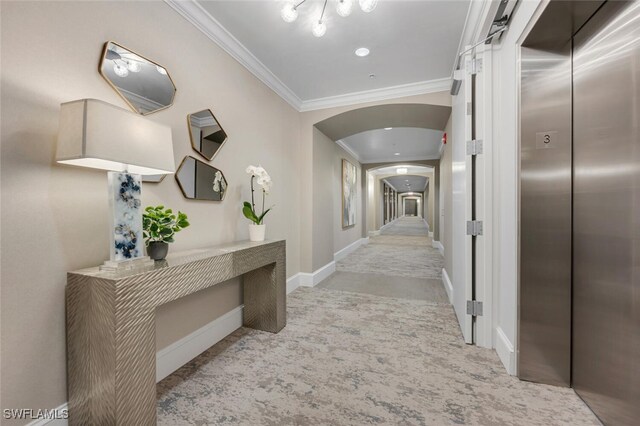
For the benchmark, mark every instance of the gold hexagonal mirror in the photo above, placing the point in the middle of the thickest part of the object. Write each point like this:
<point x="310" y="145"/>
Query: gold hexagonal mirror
<point x="207" y="136"/>
<point x="144" y="85"/>
<point x="200" y="181"/>
<point x="153" y="178"/>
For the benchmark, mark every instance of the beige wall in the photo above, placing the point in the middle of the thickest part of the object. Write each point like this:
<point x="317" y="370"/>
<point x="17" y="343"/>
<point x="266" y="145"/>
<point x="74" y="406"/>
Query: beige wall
<point x="54" y="218"/>
<point x="446" y="226"/>
<point x="327" y="200"/>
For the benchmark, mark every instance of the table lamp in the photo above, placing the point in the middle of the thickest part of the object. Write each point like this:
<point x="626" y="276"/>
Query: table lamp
<point x="98" y="135"/>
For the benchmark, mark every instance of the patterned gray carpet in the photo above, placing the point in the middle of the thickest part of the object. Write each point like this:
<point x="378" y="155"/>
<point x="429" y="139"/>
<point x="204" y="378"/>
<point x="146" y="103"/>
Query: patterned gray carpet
<point x="406" y="226"/>
<point x="402" y="250"/>
<point x="354" y="359"/>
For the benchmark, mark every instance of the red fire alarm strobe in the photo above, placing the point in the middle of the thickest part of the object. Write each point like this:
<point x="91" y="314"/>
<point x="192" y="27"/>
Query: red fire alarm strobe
<point x="444" y="138"/>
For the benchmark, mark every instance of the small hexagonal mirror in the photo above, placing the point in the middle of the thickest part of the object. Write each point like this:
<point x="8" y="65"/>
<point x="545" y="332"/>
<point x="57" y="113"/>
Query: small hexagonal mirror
<point x="200" y="181"/>
<point x="144" y="85"/>
<point x="207" y="136"/>
<point x="153" y="178"/>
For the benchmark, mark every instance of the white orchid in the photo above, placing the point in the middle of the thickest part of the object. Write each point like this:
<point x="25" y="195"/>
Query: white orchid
<point x="264" y="180"/>
<point x="219" y="184"/>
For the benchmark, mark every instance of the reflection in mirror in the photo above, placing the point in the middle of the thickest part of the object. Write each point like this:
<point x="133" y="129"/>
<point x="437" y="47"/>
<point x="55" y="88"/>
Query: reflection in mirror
<point x="200" y="181"/>
<point x="207" y="136"/>
<point x="143" y="84"/>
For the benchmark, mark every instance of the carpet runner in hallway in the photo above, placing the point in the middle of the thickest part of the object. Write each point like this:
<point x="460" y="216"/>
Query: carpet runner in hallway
<point x="402" y="250"/>
<point x="353" y="359"/>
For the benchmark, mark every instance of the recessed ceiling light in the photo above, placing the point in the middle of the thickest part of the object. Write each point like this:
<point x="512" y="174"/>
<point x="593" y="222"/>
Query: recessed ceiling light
<point x="402" y="171"/>
<point x="388" y="128"/>
<point x="397" y="153"/>
<point x="362" y="52"/>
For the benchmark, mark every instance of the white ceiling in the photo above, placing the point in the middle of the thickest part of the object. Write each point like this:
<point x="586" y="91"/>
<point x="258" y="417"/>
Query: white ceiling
<point x="410" y="42"/>
<point x="408" y="183"/>
<point x="379" y="146"/>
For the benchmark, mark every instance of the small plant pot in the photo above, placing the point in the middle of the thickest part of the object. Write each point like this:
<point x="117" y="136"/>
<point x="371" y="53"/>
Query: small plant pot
<point x="157" y="250"/>
<point x="256" y="232"/>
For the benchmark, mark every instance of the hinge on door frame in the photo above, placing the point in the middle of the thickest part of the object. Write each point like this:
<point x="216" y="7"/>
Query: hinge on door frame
<point x="474" y="147"/>
<point x="474" y="227"/>
<point x="475" y="66"/>
<point x="474" y="308"/>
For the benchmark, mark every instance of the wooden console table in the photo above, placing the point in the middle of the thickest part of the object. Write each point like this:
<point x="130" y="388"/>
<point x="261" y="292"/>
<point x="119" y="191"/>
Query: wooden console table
<point x="111" y="348"/>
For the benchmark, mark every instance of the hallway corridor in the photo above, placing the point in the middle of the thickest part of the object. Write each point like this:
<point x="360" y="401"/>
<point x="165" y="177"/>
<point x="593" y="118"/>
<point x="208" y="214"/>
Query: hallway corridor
<point x="403" y="250"/>
<point x="351" y="357"/>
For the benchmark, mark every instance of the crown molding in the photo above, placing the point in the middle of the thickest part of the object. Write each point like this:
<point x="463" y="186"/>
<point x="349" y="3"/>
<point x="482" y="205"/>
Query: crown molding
<point x="193" y="12"/>
<point x="389" y="184"/>
<point x="398" y="159"/>
<point x="349" y="150"/>
<point x="385" y="93"/>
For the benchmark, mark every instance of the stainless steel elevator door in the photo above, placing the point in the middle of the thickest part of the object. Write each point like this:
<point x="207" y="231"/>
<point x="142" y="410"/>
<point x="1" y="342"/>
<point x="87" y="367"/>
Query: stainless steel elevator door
<point x="545" y="215"/>
<point x="606" y="213"/>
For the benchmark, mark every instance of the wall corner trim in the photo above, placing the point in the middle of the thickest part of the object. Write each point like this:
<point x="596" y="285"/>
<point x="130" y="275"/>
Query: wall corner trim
<point x="439" y="246"/>
<point x="447" y="285"/>
<point x="374" y="95"/>
<point x="505" y="351"/>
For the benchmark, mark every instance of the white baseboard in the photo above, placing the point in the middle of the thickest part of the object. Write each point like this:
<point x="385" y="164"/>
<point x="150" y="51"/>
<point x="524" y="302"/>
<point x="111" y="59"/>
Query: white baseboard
<point x="505" y="351"/>
<point x="439" y="246"/>
<point x="386" y="225"/>
<point x="61" y="410"/>
<point x="447" y="285"/>
<point x="341" y="254"/>
<point x="184" y="350"/>
<point x="293" y="283"/>
<point x="314" y="278"/>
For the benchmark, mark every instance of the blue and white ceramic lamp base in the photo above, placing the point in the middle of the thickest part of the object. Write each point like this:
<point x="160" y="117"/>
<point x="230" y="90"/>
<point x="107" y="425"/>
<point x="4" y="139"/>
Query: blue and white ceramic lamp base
<point x="125" y="223"/>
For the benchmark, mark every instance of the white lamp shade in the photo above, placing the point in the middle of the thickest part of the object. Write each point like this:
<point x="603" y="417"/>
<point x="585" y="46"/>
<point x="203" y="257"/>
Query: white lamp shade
<point x="99" y="135"/>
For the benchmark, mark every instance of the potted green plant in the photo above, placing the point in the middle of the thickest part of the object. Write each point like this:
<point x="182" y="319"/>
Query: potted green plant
<point x="159" y="225"/>
<point x="257" y="228"/>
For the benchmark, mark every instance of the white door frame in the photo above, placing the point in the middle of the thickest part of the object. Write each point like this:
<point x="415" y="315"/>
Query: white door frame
<point x="483" y="331"/>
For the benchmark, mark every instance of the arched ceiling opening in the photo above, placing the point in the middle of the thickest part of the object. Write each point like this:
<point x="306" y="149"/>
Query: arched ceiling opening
<point x="359" y="120"/>
<point x="408" y="183"/>
<point x="393" y="169"/>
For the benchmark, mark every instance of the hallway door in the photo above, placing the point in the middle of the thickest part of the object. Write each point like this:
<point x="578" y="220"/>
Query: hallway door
<point x="606" y="213"/>
<point x="410" y="207"/>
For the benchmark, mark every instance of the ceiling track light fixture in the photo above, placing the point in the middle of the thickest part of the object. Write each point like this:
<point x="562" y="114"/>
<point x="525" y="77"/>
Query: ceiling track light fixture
<point x="289" y="12"/>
